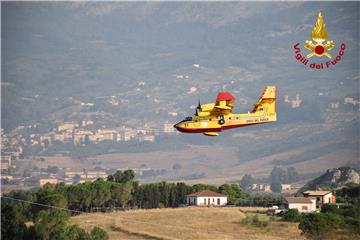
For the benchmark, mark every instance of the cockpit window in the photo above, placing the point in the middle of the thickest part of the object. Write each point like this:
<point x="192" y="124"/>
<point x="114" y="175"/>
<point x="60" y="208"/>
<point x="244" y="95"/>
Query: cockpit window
<point x="188" y="118"/>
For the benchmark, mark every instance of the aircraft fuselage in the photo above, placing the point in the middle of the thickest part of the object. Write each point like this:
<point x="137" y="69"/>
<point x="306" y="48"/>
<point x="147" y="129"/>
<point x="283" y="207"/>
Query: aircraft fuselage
<point x="196" y="124"/>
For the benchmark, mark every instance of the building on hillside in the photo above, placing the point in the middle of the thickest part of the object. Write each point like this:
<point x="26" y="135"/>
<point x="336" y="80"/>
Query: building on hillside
<point x="127" y="134"/>
<point x="59" y="137"/>
<point x="71" y="174"/>
<point x="350" y="100"/>
<point x="95" y="174"/>
<point x="43" y="181"/>
<point x="206" y="198"/>
<point x="45" y="140"/>
<point x="321" y="197"/>
<point x="335" y="105"/>
<point x="107" y="134"/>
<point x="296" y="102"/>
<point x="302" y="204"/>
<point x="149" y="138"/>
<point x="6" y="177"/>
<point x="285" y="187"/>
<point x="5" y="163"/>
<point x="86" y="174"/>
<point x="261" y="187"/>
<point x="67" y="126"/>
<point x="85" y="123"/>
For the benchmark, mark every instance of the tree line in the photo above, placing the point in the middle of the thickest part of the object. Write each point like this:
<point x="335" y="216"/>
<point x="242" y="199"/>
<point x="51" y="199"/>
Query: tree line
<point x="118" y="191"/>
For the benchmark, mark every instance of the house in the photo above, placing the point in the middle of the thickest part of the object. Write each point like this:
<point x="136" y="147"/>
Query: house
<point x="302" y="204"/>
<point x="285" y="187"/>
<point x="261" y="187"/>
<point x="67" y="126"/>
<point x="205" y="198"/>
<point x="90" y="175"/>
<point x="149" y="138"/>
<point x="43" y="181"/>
<point x="321" y="197"/>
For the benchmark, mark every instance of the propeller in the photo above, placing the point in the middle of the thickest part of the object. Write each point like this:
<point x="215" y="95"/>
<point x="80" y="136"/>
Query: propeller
<point x="198" y="108"/>
<point x="199" y="105"/>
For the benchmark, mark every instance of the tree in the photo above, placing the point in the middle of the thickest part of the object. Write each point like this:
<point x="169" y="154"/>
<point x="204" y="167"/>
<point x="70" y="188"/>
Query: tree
<point x="176" y="167"/>
<point x="98" y="233"/>
<point x="292" y="215"/>
<point x="182" y="190"/>
<point x="278" y="175"/>
<point x="102" y="193"/>
<point x="12" y="221"/>
<point x="77" y="233"/>
<point x="76" y="178"/>
<point x="292" y="175"/>
<point x="121" y="193"/>
<point x="52" y="169"/>
<point x="49" y="225"/>
<point x="200" y="187"/>
<point x="122" y="177"/>
<point x="320" y="226"/>
<point x="246" y="181"/>
<point x="129" y="176"/>
<point x="232" y="191"/>
<point x="276" y="187"/>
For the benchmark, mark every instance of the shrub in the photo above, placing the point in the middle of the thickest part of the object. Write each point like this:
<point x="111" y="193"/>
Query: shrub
<point x="353" y="224"/>
<point x="320" y="225"/>
<point x="255" y="221"/>
<point x="98" y="233"/>
<point x="292" y="215"/>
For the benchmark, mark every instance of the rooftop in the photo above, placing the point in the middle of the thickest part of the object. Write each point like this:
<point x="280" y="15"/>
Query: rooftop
<point x="316" y="193"/>
<point x="206" y="193"/>
<point x="298" y="200"/>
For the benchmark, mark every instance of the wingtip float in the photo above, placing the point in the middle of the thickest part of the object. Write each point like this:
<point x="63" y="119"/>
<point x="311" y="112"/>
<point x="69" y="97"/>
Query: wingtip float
<point x="212" y="118"/>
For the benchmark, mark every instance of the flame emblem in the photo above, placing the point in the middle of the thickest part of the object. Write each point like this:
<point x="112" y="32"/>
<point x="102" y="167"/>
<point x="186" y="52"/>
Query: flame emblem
<point x="319" y="35"/>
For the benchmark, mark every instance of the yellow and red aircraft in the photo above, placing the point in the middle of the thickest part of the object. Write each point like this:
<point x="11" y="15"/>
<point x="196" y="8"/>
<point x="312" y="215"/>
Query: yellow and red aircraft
<point x="212" y="118"/>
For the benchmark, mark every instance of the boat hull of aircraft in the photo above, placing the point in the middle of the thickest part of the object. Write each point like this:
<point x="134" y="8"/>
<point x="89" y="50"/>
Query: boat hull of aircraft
<point x="220" y="129"/>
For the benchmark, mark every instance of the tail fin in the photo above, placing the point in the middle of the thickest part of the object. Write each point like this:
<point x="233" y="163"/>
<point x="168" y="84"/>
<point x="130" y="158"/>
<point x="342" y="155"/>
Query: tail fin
<point x="267" y="101"/>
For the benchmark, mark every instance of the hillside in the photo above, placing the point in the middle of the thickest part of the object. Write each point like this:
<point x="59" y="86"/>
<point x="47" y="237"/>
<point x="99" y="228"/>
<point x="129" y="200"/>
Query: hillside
<point x="333" y="178"/>
<point x="184" y="223"/>
<point x="141" y="65"/>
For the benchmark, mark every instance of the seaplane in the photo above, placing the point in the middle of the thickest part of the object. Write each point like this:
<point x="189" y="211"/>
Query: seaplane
<point x="212" y="118"/>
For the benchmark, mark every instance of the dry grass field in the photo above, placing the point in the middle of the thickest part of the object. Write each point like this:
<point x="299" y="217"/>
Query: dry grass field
<point x="185" y="223"/>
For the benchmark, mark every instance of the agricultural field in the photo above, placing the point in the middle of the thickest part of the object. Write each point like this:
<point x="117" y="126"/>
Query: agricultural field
<point x="189" y="223"/>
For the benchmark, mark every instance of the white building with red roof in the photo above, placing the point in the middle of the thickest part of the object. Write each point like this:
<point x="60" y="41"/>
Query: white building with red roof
<point x="321" y="197"/>
<point x="302" y="204"/>
<point x="206" y="198"/>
